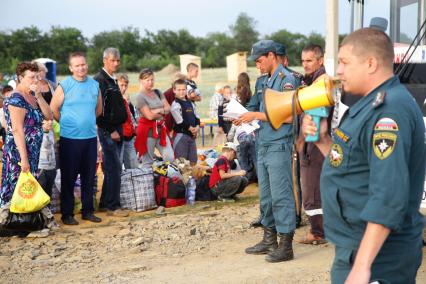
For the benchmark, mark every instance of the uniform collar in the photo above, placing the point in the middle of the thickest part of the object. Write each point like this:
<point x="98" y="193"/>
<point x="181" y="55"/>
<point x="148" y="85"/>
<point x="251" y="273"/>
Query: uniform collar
<point x="274" y="76"/>
<point x="368" y="99"/>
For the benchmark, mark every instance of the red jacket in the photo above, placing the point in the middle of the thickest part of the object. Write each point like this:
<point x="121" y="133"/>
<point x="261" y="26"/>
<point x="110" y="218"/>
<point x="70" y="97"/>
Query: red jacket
<point x="142" y="134"/>
<point x="128" y="128"/>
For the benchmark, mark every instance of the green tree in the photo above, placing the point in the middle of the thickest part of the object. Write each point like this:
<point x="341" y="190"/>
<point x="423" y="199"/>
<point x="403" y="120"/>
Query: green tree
<point x="294" y="44"/>
<point x="62" y="42"/>
<point x="127" y="41"/>
<point x="214" y="49"/>
<point x="316" y="38"/>
<point x="28" y="43"/>
<point x="244" y="32"/>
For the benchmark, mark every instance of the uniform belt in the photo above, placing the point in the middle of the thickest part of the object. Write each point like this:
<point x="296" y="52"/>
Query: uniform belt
<point x="284" y="140"/>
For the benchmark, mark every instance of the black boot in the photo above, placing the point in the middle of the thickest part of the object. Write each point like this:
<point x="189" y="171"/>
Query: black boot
<point x="268" y="243"/>
<point x="256" y="222"/>
<point x="284" y="251"/>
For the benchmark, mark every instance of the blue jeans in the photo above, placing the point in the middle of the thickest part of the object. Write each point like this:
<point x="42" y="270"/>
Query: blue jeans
<point x="112" y="167"/>
<point x="247" y="156"/>
<point x="275" y="182"/>
<point x="128" y="154"/>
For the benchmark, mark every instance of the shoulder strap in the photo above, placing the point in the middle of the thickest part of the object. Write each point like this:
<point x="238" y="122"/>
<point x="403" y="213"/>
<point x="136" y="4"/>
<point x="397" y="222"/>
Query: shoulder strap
<point x="158" y="93"/>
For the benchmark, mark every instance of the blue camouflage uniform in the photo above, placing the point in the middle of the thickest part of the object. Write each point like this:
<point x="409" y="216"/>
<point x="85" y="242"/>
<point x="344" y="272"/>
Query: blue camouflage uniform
<point x="375" y="173"/>
<point x="274" y="158"/>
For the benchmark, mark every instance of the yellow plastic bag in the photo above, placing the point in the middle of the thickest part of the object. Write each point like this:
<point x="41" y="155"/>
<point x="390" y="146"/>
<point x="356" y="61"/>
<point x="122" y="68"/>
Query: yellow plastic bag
<point x="28" y="196"/>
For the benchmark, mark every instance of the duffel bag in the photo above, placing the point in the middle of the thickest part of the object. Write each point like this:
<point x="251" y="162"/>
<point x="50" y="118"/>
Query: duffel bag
<point x="169" y="192"/>
<point x="203" y="191"/>
<point x="137" y="189"/>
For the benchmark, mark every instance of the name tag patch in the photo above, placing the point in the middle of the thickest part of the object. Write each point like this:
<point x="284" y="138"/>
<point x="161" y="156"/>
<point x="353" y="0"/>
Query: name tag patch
<point x="383" y="144"/>
<point x="339" y="133"/>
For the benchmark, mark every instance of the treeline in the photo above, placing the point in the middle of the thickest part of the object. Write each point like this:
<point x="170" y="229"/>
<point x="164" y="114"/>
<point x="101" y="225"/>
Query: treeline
<point x="154" y="50"/>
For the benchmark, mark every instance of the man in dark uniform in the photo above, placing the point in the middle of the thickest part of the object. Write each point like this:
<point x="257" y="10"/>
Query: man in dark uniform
<point x="273" y="161"/>
<point x="254" y="101"/>
<point x="283" y="58"/>
<point x="372" y="180"/>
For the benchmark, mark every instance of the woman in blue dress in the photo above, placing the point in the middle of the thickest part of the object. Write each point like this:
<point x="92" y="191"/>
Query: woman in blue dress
<point x="24" y="111"/>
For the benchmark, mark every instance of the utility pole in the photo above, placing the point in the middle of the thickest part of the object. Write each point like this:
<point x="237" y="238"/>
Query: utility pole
<point x="331" y="36"/>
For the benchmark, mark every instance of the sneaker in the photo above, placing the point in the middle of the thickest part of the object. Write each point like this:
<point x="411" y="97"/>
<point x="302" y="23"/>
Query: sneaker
<point x="225" y="200"/>
<point x="39" y="234"/>
<point x="160" y="210"/>
<point x="69" y="220"/>
<point x="91" y="217"/>
<point x="118" y="213"/>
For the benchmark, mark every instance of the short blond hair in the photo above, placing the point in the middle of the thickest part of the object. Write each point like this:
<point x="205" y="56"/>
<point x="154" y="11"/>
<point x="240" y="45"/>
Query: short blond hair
<point x="123" y="77"/>
<point x="178" y="76"/>
<point x="371" y="41"/>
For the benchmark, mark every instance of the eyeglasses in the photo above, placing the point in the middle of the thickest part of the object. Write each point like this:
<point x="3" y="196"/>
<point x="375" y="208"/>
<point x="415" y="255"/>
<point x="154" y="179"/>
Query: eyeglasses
<point x="34" y="77"/>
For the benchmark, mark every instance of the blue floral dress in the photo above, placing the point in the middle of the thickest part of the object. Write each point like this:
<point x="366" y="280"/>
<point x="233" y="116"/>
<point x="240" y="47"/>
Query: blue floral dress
<point x="33" y="137"/>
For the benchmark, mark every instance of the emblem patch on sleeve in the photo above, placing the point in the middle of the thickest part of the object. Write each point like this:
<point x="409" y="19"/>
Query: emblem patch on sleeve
<point x="288" y="86"/>
<point x="336" y="155"/>
<point x="386" y="124"/>
<point x="383" y="144"/>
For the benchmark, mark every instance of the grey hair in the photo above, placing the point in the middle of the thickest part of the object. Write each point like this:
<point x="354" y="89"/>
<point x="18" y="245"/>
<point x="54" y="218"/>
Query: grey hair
<point x="113" y="51"/>
<point x="41" y="66"/>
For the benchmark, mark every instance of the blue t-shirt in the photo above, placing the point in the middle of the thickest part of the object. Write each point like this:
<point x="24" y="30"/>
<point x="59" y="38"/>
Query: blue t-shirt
<point x="78" y="112"/>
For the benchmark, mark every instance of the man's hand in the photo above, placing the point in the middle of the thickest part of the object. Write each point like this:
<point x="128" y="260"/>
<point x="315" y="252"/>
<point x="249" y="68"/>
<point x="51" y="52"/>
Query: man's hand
<point x="242" y="173"/>
<point x="358" y="275"/>
<point x="247" y="117"/>
<point x="115" y="136"/>
<point x="308" y="126"/>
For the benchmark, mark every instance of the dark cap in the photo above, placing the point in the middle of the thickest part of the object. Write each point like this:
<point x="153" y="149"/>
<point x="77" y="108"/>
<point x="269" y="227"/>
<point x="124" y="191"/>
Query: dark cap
<point x="280" y="49"/>
<point x="262" y="47"/>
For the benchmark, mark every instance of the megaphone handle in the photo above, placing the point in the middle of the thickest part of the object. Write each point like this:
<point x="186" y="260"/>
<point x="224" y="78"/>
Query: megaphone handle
<point x="314" y="138"/>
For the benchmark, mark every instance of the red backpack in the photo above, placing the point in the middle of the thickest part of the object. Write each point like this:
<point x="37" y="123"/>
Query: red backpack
<point x="128" y="128"/>
<point x="169" y="192"/>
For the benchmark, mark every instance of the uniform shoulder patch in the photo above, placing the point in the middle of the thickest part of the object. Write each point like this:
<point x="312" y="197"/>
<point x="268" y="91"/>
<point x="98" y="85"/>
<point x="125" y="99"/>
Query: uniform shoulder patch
<point x="288" y="86"/>
<point x="386" y="124"/>
<point x="384" y="144"/>
<point x="380" y="98"/>
<point x="297" y="75"/>
<point x="336" y="155"/>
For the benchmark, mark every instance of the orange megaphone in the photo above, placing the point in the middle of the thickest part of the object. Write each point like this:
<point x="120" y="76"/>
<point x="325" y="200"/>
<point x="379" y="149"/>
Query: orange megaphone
<point x="279" y="105"/>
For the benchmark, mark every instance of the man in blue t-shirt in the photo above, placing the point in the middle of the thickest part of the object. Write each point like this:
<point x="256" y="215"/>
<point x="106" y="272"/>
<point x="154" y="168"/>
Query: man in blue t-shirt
<point x="75" y="105"/>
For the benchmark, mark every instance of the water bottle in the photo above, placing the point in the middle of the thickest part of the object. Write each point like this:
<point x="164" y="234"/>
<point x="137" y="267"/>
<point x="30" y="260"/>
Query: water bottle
<point x="190" y="191"/>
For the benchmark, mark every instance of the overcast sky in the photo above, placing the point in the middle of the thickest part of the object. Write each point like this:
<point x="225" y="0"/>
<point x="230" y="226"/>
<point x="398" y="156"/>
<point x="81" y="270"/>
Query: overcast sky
<point x="199" y="17"/>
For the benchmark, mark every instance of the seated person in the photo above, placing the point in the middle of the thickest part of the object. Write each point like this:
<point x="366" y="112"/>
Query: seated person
<point x="246" y="150"/>
<point x="224" y="184"/>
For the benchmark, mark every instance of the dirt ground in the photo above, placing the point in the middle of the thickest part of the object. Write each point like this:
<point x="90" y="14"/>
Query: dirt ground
<point x="192" y="244"/>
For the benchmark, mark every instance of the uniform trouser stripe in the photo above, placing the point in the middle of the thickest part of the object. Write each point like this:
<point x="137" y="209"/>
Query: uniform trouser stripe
<point x="314" y="212"/>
